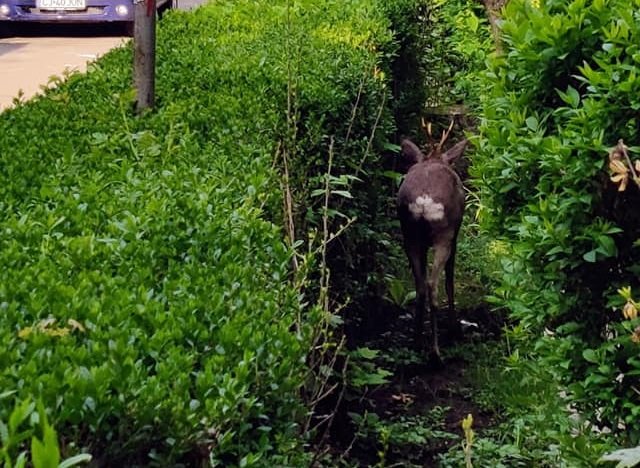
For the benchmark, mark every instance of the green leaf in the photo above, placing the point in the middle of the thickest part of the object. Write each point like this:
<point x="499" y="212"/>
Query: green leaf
<point x="7" y="394"/>
<point x="395" y="176"/>
<point x="375" y="377"/>
<point x="532" y="123"/>
<point x="392" y="147"/>
<point x="45" y="453"/>
<point x="590" y="256"/>
<point x="571" y="97"/>
<point x="507" y="187"/>
<point x="366" y="353"/>
<point x="342" y="193"/>
<point x="590" y="356"/>
<point x="75" y="460"/>
<point x="4" y="433"/>
<point x="555" y="250"/>
<point x="38" y="453"/>
<point x="607" y="246"/>
<point x="21" y="461"/>
<point x="473" y="22"/>
<point x="19" y="414"/>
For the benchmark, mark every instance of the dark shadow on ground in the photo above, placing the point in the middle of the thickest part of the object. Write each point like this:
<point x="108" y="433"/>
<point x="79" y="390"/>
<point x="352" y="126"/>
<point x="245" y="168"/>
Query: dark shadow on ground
<point x="66" y="30"/>
<point x="434" y="399"/>
<point x="5" y="48"/>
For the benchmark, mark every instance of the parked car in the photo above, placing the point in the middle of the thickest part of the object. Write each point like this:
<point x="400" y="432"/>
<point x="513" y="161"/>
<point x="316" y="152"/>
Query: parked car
<point x="15" y="12"/>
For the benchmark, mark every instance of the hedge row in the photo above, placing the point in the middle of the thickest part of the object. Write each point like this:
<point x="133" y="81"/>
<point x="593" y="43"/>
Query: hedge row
<point x="562" y="93"/>
<point x="145" y="289"/>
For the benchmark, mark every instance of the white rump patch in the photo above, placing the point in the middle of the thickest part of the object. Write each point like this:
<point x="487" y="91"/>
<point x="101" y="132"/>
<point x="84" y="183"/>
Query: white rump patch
<point x="425" y="207"/>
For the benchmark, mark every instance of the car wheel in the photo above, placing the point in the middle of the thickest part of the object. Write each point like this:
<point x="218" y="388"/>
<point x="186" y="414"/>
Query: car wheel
<point x="166" y="6"/>
<point x="129" y="28"/>
<point x="6" y="30"/>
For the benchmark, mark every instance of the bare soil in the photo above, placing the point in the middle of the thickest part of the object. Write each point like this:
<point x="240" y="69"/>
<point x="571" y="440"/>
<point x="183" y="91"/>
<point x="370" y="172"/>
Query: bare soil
<point x="416" y="391"/>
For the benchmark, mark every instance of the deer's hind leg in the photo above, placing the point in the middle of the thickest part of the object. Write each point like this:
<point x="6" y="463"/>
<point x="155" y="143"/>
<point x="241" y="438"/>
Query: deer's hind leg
<point x="453" y="324"/>
<point x="441" y="254"/>
<point x="417" y="255"/>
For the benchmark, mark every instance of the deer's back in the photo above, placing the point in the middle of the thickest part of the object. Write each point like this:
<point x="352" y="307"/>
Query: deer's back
<point x="432" y="192"/>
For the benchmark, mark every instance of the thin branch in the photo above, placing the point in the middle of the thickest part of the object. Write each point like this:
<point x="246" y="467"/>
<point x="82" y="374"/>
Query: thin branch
<point x="354" y="110"/>
<point x="125" y="122"/>
<point x="626" y="155"/>
<point x="324" y="273"/>
<point x="329" y="420"/>
<point x="288" y="206"/>
<point x="372" y="136"/>
<point x="344" y="454"/>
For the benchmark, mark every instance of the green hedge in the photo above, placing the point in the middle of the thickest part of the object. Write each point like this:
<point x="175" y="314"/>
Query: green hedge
<point x="561" y="93"/>
<point x="145" y="289"/>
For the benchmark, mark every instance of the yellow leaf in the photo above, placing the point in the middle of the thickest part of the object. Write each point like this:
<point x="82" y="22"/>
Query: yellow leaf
<point x="25" y="332"/>
<point x="623" y="184"/>
<point x="630" y="311"/>
<point x="44" y="323"/>
<point x="618" y="167"/>
<point x="75" y="325"/>
<point x="59" y="332"/>
<point x="467" y="422"/>
<point x="625" y="292"/>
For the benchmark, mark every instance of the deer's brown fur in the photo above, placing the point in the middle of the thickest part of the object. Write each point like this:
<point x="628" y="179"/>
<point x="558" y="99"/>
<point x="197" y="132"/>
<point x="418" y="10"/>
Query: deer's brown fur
<point x="430" y="208"/>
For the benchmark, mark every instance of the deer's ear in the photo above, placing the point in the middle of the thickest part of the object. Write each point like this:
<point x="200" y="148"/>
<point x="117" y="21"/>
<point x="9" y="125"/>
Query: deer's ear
<point x="411" y="153"/>
<point x="455" y="151"/>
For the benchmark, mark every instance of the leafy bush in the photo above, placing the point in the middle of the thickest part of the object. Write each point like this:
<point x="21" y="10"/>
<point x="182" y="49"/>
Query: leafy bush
<point x="531" y="425"/>
<point x="563" y="92"/>
<point x="457" y="40"/>
<point x="145" y="286"/>
<point x="355" y="135"/>
<point x="24" y="422"/>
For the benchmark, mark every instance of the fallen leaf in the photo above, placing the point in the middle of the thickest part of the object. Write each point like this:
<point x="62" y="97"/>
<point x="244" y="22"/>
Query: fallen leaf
<point x="75" y="325"/>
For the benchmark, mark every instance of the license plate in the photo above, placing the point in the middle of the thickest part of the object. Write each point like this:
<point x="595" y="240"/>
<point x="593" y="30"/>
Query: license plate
<point x="61" y="4"/>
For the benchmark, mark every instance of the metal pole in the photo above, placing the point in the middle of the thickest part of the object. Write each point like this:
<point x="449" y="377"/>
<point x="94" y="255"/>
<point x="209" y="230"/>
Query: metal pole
<point x="144" y="58"/>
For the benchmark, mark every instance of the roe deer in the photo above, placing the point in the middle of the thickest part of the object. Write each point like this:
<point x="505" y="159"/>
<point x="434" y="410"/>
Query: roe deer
<point x="430" y="207"/>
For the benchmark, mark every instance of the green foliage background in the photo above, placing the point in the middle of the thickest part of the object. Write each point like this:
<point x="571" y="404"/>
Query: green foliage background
<point x="560" y="94"/>
<point x="146" y="289"/>
<point x="145" y="282"/>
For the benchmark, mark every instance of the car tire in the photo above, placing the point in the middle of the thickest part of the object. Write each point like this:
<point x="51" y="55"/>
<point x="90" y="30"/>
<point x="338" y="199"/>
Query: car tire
<point x="6" y="30"/>
<point x="168" y="5"/>
<point x="129" y="28"/>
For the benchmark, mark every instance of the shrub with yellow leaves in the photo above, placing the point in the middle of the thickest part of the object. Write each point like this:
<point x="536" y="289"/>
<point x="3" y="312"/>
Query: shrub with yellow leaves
<point x="621" y="166"/>
<point x="48" y="327"/>
<point x="630" y="311"/>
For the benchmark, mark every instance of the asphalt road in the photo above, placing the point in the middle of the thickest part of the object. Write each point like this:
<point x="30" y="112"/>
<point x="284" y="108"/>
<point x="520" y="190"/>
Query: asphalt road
<point x="40" y="51"/>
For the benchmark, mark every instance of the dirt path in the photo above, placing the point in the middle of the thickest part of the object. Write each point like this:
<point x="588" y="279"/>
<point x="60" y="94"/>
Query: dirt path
<point x="416" y="416"/>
